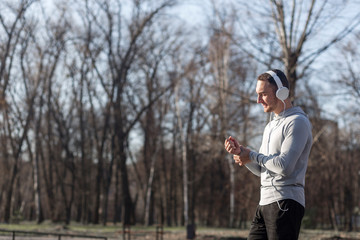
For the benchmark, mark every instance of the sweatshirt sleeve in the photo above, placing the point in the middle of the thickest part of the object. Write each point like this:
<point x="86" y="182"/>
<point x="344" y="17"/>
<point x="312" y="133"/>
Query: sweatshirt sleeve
<point x="295" y="139"/>
<point x="253" y="166"/>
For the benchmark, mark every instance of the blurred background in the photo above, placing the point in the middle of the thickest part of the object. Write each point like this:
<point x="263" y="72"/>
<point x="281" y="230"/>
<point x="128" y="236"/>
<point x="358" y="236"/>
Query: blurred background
<point x="116" y="111"/>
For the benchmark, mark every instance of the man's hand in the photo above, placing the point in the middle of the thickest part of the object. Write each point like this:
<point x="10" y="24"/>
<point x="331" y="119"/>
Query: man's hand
<point x="232" y="146"/>
<point x="242" y="158"/>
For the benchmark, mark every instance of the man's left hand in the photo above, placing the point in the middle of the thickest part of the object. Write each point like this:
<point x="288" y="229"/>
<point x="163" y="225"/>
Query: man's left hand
<point x="243" y="157"/>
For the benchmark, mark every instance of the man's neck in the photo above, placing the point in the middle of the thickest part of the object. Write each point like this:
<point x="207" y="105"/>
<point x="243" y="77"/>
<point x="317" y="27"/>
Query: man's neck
<point x="288" y="105"/>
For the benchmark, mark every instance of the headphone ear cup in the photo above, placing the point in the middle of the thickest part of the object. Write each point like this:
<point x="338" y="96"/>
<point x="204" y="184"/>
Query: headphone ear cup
<point x="282" y="93"/>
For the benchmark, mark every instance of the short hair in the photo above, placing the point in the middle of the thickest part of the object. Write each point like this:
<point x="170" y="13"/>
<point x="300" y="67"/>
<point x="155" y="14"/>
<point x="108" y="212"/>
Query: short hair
<point x="267" y="77"/>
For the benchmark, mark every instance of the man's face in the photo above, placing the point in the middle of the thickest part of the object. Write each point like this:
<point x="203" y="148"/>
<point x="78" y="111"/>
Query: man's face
<point x="267" y="97"/>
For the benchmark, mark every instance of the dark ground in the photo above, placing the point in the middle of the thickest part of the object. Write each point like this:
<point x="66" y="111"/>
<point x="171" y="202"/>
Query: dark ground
<point x="221" y="234"/>
<point x="140" y="233"/>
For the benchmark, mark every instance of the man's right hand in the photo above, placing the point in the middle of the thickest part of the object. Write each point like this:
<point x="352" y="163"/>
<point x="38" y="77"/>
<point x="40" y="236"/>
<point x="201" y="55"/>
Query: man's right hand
<point x="232" y="146"/>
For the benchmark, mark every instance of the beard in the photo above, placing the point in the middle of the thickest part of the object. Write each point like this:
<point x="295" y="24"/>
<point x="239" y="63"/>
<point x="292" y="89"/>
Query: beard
<point x="271" y="105"/>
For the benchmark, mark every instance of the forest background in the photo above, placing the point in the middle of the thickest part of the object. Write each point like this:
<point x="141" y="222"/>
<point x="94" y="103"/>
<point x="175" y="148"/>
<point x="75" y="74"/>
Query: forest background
<point x="116" y="111"/>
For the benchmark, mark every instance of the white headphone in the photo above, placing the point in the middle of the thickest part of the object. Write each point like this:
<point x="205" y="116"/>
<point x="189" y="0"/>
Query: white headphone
<point x="283" y="92"/>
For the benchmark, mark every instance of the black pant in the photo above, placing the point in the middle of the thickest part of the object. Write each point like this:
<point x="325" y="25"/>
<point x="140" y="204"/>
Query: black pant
<point x="271" y="222"/>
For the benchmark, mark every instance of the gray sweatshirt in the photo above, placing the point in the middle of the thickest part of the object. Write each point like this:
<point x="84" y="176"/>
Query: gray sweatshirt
<point x="283" y="156"/>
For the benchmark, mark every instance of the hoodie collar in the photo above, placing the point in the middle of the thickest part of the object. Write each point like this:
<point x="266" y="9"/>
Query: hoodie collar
<point x="289" y="112"/>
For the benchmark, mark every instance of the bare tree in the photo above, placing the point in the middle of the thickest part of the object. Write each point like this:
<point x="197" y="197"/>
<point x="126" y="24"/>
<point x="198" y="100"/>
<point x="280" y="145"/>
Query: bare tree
<point x="219" y="55"/>
<point x="16" y="32"/>
<point x="154" y="64"/>
<point x="120" y="60"/>
<point x="295" y="36"/>
<point x="345" y="94"/>
<point x="232" y="91"/>
<point x="75" y="85"/>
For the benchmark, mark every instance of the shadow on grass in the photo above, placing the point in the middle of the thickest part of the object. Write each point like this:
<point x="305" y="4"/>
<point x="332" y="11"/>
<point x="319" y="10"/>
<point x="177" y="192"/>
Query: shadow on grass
<point x="230" y="238"/>
<point x="212" y="237"/>
<point x="339" y="238"/>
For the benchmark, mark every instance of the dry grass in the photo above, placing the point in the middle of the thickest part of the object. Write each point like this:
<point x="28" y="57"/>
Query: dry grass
<point x="179" y="233"/>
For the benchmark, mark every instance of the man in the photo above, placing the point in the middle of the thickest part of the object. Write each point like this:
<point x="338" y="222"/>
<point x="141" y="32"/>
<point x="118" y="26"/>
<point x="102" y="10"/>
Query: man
<point x="280" y="163"/>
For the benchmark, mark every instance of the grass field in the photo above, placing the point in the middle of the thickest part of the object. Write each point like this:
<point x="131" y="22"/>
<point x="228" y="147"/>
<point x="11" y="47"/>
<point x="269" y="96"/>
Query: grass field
<point x="113" y="232"/>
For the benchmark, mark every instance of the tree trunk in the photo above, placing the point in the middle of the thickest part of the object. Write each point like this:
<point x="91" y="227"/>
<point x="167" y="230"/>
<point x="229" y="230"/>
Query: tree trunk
<point x="183" y="159"/>
<point x="84" y="168"/>
<point x="17" y="149"/>
<point x="149" y="190"/>
<point x="128" y="208"/>
<point x="108" y="181"/>
<point x="232" y="191"/>
<point x="37" y="195"/>
<point x="98" y="184"/>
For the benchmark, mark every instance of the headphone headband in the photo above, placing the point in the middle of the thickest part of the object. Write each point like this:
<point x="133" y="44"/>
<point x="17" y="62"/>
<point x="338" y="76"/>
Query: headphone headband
<point x="276" y="79"/>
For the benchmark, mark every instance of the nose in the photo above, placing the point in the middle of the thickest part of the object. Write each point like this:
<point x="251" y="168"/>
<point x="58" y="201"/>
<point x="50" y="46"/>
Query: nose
<point x="259" y="99"/>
